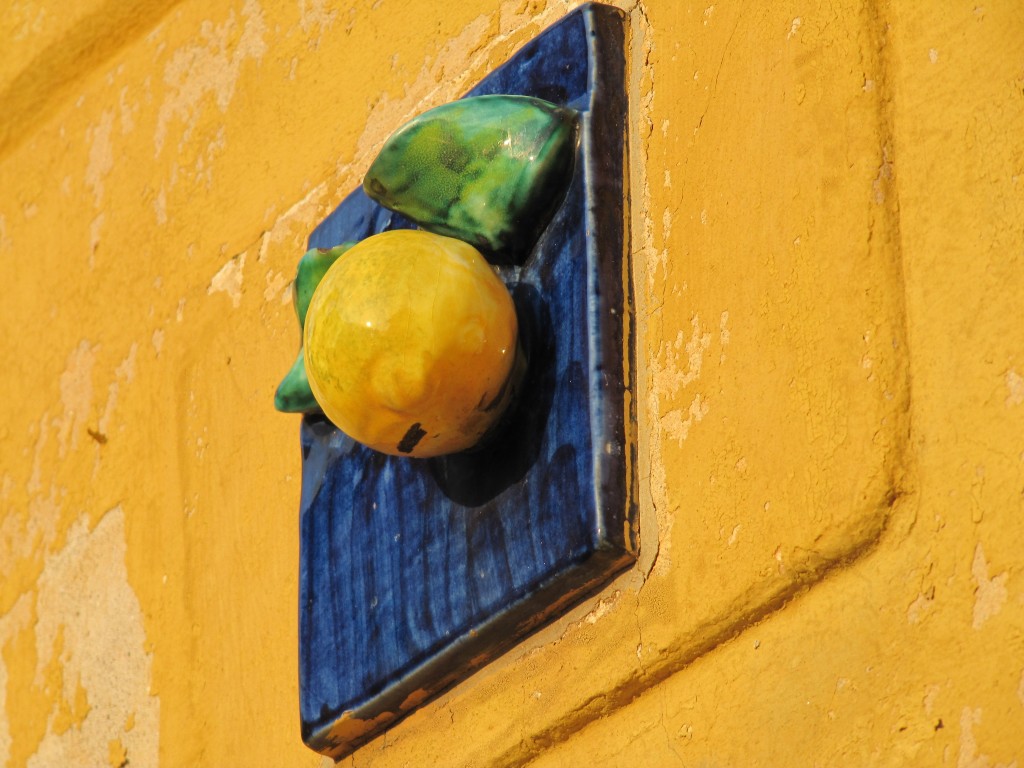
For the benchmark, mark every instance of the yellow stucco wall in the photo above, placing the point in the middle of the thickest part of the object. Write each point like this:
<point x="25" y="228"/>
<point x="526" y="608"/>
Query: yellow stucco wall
<point x="828" y="246"/>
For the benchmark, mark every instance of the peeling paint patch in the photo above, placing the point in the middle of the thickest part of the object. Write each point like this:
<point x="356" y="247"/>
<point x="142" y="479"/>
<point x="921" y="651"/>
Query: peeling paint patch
<point x="75" y="395"/>
<point x="604" y="606"/>
<point x="103" y="650"/>
<point x="22" y="535"/>
<point x="989" y="594"/>
<point x="931" y="693"/>
<point x="125" y="372"/>
<point x="1015" y="388"/>
<point x="204" y="162"/>
<point x="276" y="282"/>
<point x="292" y="226"/>
<point x="671" y="377"/>
<point x="968" y="755"/>
<point x="229" y="280"/>
<point x="85" y="662"/>
<point x="516" y="14"/>
<point x="101" y="155"/>
<point x="126" y="368"/>
<point x="678" y="428"/>
<point x="734" y="536"/>
<point x="207" y="69"/>
<point x="160" y="206"/>
<point x="127" y="112"/>
<point x="313" y="15"/>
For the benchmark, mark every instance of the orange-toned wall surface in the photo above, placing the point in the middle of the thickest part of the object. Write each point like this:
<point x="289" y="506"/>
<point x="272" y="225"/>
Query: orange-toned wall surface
<point x="828" y="260"/>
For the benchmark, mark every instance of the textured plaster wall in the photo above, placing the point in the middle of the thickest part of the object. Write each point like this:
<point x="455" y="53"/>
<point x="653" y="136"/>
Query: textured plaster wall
<point x="828" y="259"/>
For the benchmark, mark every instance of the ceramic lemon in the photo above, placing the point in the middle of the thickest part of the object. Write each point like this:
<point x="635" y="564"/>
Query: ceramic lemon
<point x="411" y="344"/>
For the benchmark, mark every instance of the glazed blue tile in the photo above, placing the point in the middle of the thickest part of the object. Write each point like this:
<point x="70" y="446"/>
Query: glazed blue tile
<point x="413" y="573"/>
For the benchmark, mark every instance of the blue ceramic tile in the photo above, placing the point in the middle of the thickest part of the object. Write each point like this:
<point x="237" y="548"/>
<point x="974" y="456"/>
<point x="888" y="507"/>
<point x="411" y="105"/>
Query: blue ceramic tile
<point x="414" y="573"/>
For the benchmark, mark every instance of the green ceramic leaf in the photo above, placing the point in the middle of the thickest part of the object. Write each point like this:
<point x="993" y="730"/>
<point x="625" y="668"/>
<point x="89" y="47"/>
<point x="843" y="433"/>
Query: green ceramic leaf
<point x="293" y="393"/>
<point x="489" y="170"/>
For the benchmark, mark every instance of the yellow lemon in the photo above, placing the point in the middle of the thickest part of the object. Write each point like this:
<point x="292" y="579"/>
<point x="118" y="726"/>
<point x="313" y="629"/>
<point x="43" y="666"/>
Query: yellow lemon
<point x="411" y="344"/>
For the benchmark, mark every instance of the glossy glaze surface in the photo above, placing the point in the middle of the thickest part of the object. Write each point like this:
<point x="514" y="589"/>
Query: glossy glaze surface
<point x="410" y="342"/>
<point x="489" y="170"/>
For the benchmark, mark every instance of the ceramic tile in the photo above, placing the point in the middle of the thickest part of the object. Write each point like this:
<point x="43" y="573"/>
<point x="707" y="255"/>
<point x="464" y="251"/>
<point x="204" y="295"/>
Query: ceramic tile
<point x="415" y="573"/>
